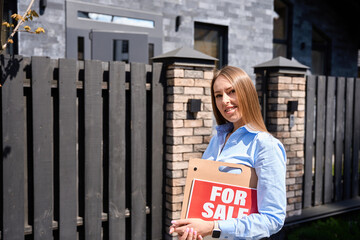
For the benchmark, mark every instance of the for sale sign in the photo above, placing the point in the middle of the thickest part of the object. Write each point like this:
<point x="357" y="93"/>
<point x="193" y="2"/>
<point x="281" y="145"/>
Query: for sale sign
<point x="216" y="201"/>
<point x="212" y="194"/>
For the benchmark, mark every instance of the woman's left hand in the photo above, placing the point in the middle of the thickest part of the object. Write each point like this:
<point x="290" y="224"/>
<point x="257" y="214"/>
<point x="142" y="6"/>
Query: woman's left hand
<point x="192" y="228"/>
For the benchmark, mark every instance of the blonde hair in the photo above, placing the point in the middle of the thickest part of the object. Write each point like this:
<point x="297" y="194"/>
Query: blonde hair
<point x="247" y="97"/>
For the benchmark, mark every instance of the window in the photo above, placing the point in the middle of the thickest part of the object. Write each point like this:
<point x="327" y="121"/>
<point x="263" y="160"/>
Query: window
<point x="281" y="31"/>
<point x="320" y="53"/>
<point x="123" y="34"/>
<point x="116" y="19"/>
<point x="212" y="40"/>
<point x="81" y="48"/>
<point x="151" y="52"/>
<point x="121" y="50"/>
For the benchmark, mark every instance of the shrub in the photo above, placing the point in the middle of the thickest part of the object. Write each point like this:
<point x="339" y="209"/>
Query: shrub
<point x="341" y="228"/>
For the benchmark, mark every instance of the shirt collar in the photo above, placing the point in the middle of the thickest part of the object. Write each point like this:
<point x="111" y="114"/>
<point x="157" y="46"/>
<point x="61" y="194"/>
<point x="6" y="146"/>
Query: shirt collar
<point x="227" y="127"/>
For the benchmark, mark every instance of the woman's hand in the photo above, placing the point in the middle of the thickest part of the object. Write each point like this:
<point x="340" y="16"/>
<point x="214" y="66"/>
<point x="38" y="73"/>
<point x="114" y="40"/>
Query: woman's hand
<point x="192" y="228"/>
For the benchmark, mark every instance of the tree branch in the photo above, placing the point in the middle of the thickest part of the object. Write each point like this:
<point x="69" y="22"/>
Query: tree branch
<point x="20" y="22"/>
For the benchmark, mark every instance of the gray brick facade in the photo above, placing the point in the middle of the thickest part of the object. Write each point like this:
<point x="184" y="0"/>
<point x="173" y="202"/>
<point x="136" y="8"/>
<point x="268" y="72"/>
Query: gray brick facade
<point x="333" y="23"/>
<point x="249" y="22"/>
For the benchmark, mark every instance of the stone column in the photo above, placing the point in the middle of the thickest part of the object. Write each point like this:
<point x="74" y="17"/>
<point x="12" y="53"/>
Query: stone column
<point x="281" y="86"/>
<point x="188" y="129"/>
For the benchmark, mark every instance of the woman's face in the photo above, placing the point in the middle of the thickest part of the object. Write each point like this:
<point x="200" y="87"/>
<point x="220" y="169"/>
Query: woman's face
<point x="226" y="101"/>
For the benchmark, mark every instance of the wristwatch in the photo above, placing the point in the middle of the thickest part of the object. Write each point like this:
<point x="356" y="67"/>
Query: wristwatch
<point x="216" y="231"/>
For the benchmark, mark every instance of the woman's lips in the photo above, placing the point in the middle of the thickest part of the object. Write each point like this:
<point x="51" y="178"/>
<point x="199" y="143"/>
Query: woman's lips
<point x="230" y="109"/>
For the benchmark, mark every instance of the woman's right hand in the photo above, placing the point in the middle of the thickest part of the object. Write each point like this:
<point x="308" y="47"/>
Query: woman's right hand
<point x="190" y="234"/>
<point x="192" y="228"/>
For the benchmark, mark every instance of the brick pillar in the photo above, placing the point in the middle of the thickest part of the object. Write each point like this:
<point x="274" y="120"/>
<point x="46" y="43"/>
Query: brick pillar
<point x="281" y="84"/>
<point x="189" y="74"/>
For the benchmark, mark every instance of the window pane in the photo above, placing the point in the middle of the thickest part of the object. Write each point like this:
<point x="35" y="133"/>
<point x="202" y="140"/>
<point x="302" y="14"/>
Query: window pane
<point x="80" y="48"/>
<point x="320" y="50"/>
<point x="116" y="19"/>
<point x="279" y="50"/>
<point x="206" y="41"/>
<point x="212" y="40"/>
<point x="121" y="50"/>
<point x="317" y="62"/>
<point x="151" y="52"/>
<point x="133" y="22"/>
<point x="280" y="20"/>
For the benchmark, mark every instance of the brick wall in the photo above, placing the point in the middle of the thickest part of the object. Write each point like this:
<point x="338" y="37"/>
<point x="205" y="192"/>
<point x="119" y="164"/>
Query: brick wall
<point x="187" y="134"/>
<point x="282" y="88"/>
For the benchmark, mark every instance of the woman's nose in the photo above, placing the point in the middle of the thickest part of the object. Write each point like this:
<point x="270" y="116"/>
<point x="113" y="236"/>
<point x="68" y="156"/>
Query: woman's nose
<point x="226" y="98"/>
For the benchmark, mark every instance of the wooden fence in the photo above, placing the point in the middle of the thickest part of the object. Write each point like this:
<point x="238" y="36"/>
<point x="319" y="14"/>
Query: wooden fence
<point x="332" y="140"/>
<point x="82" y="149"/>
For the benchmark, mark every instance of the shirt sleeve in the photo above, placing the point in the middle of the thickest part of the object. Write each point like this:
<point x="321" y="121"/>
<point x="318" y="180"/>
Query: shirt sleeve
<point x="211" y="150"/>
<point x="270" y="166"/>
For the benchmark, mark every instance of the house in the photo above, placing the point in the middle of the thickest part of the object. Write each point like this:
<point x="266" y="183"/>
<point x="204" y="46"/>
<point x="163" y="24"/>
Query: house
<point x="323" y="35"/>
<point x="320" y="35"/>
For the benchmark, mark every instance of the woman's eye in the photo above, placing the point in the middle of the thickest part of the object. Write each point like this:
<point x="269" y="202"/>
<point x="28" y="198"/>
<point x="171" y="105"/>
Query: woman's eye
<point x="232" y="91"/>
<point x="218" y="95"/>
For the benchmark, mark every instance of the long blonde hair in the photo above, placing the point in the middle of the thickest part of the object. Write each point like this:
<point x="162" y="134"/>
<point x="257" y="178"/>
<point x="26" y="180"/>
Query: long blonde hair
<point x="247" y="97"/>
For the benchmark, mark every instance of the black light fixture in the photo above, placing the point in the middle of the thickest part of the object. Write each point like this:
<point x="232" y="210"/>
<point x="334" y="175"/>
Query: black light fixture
<point x="177" y="23"/>
<point x="194" y="105"/>
<point x="43" y="5"/>
<point x="292" y="106"/>
<point x="302" y="46"/>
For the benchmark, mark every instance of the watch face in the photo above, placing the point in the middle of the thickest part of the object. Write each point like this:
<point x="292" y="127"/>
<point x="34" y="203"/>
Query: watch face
<point x="216" y="233"/>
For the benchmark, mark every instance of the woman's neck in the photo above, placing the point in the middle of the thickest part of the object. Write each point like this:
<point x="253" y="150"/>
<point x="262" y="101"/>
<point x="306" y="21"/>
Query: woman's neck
<point x="237" y="125"/>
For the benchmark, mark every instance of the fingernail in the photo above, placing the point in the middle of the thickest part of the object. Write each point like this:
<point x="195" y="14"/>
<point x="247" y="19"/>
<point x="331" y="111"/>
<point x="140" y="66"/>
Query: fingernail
<point x="173" y="222"/>
<point x="187" y="229"/>
<point x="200" y="237"/>
<point x="195" y="232"/>
<point x="192" y="230"/>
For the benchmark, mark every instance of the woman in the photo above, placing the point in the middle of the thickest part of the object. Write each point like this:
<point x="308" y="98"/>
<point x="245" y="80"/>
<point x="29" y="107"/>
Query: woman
<point x="242" y="138"/>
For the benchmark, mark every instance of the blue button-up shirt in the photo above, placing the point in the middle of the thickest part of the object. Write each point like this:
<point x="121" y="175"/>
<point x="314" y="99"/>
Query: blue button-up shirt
<point x="266" y="154"/>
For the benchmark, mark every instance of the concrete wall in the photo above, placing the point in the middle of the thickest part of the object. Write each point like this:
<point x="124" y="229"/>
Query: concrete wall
<point x="249" y="21"/>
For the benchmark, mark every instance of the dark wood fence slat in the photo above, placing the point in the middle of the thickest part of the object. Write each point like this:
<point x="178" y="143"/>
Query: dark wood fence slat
<point x="309" y="144"/>
<point x="93" y="149"/>
<point x="356" y="141"/>
<point x="67" y="149"/>
<point x="138" y="151"/>
<point x="13" y="141"/>
<point x="42" y="147"/>
<point x="65" y="127"/>
<point x="329" y="139"/>
<point x="157" y="151"/>
<point x="117" y="139"/>
<point x="339" y="129"/>
<point x="348" y="136"/>
<point x="320" y="137"/>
